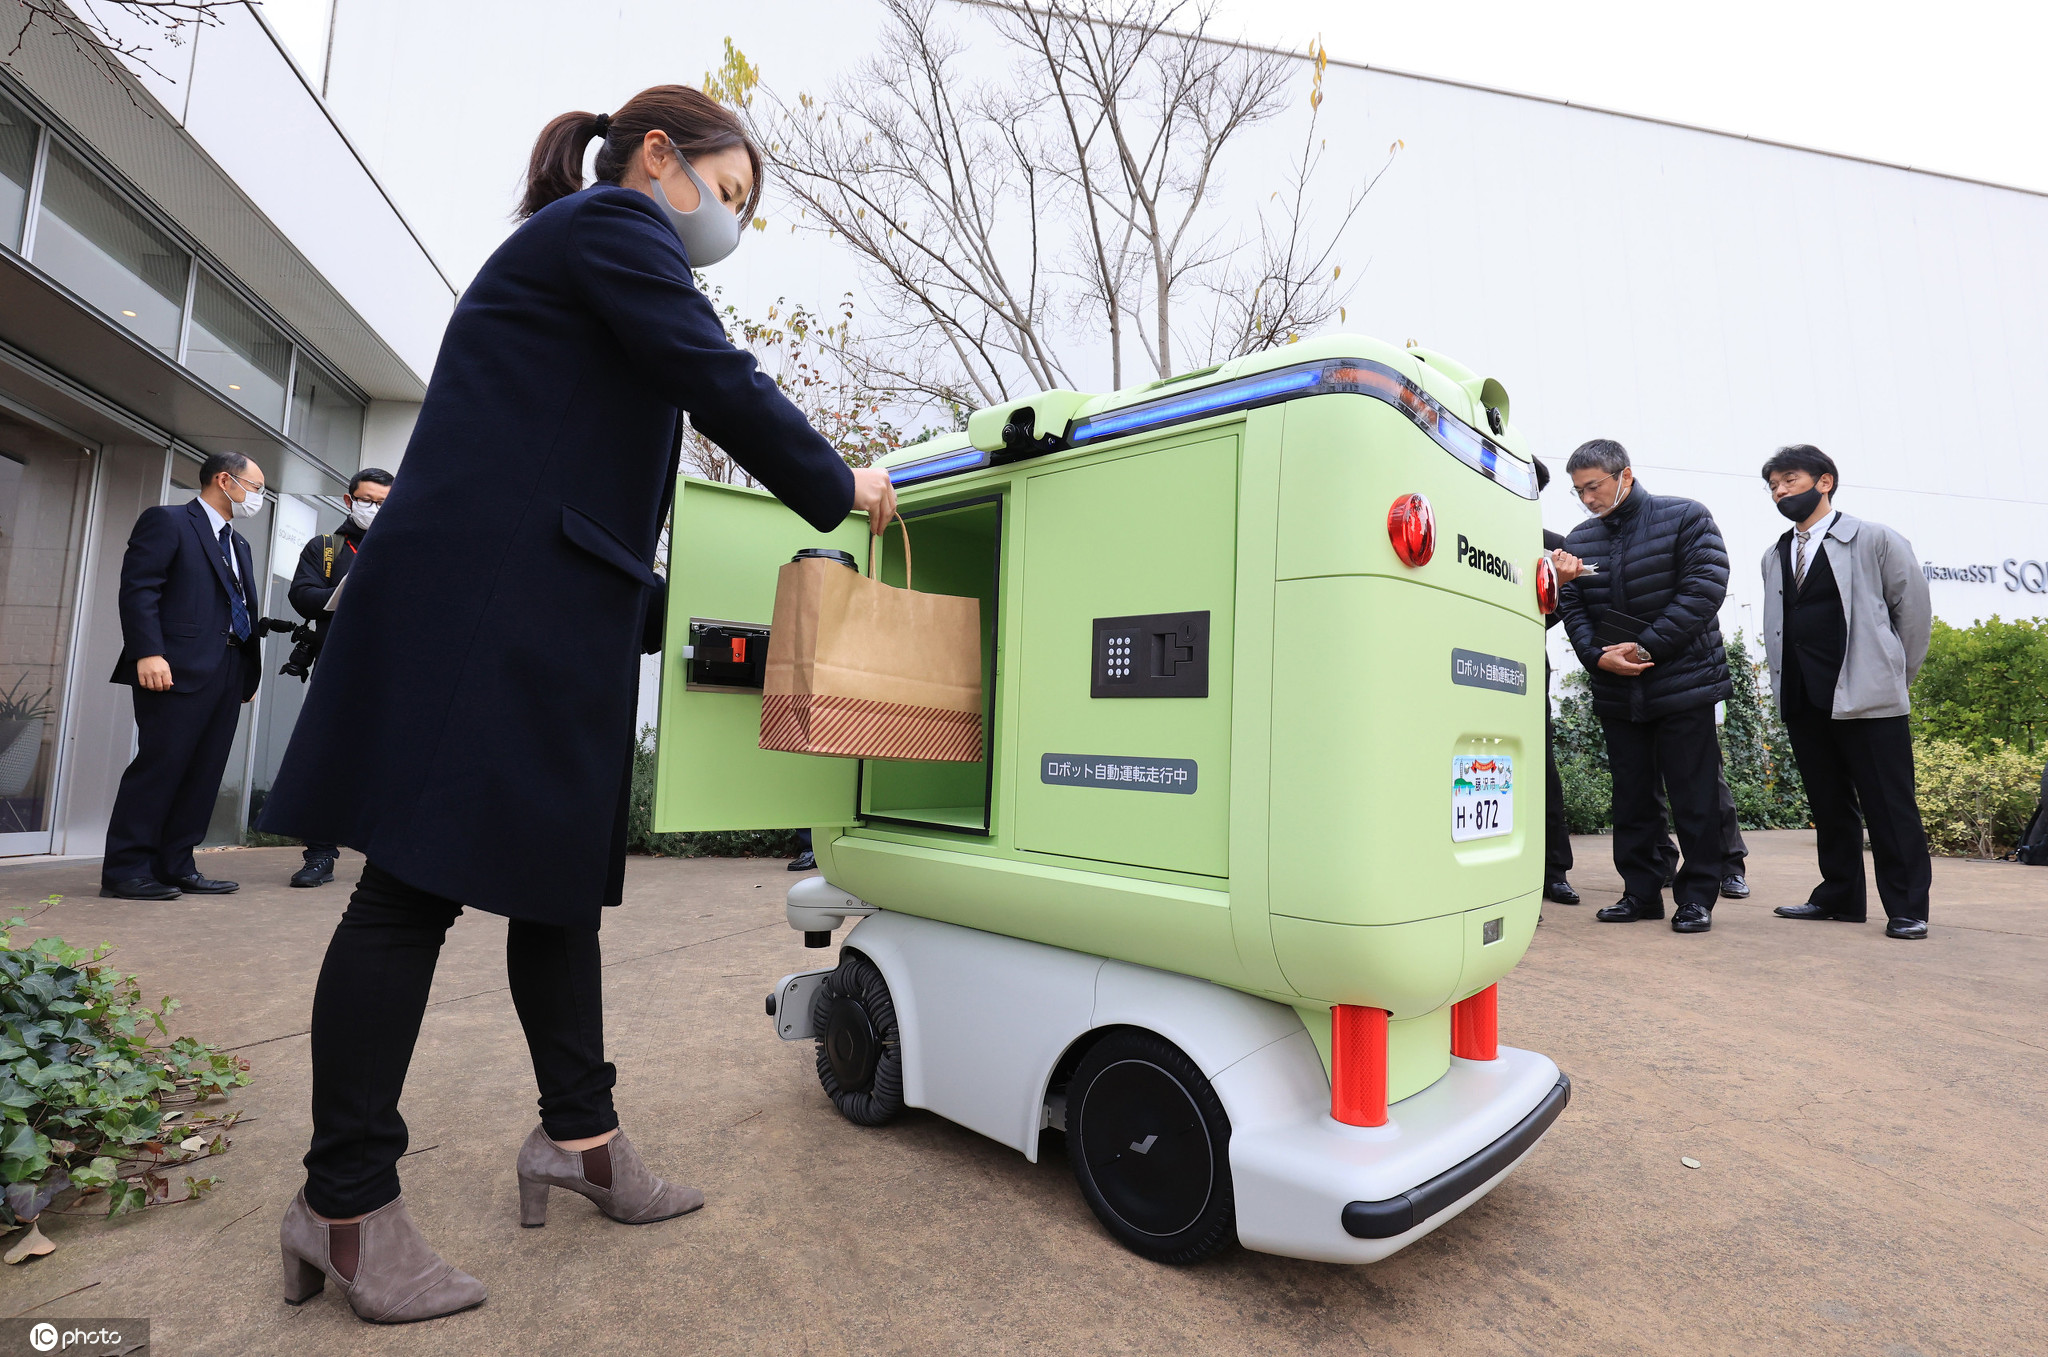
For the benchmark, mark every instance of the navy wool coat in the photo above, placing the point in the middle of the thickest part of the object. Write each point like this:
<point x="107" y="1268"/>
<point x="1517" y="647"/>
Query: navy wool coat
<point x="470" y="723"/>
<point x="1661" y="561"/>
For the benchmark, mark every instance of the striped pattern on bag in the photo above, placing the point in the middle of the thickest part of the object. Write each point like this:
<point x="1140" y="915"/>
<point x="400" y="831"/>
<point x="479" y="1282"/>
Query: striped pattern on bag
<point x="858" y="728"/>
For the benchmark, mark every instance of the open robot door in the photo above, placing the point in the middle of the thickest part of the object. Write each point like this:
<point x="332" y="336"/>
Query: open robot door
<point x="710" y="771"/>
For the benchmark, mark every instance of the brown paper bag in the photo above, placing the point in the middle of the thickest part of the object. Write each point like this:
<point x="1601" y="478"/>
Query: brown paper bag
<point x="858" y="669"/>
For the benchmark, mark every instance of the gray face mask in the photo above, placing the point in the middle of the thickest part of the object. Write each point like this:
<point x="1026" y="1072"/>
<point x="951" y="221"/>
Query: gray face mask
<point x="710" y="231"/>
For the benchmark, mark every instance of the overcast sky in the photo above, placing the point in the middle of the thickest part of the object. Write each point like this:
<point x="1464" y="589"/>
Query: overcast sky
<point x="1955" y="87"/>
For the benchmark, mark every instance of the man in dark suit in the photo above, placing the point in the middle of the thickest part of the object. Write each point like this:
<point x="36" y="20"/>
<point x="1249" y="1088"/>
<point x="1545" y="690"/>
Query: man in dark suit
<point x="1642" y="619"/>
<point x="323" y="564"/>
<point x="1846" y="624"/>
<point x="190" y="652"/>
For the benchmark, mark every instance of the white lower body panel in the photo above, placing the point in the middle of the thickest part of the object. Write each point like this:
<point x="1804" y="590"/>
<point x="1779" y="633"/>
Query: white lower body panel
<point x="985" y="1020"/>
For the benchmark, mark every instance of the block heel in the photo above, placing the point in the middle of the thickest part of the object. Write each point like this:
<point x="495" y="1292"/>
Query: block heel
<point x="302" y="1280"/>
<point x="533" y="1203"/>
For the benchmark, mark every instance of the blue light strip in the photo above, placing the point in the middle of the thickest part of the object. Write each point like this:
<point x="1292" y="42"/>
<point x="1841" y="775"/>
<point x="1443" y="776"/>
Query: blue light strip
<point x="962" y="460"/>
<point x="1208" y="401"/>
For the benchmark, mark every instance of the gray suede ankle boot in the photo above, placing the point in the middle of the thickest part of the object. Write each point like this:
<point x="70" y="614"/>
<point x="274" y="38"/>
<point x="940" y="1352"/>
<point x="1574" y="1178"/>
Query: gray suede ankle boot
<point x="382" y="1263"/>
<point x="610" y="1175"/>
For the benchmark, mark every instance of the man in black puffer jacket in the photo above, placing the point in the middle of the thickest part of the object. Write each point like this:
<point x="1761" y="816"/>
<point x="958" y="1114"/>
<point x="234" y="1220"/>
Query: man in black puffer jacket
<point x="1642" y="619"/>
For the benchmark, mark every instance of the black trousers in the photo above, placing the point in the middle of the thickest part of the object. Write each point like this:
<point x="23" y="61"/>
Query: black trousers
<point x="1557" y="838"/>
<point x="1684" y="749"/>
<point x="1734" y="852"/>
<point x="366" y="1018"/>
<point x="1858" y="771"/>
<point x="168" y="792"/>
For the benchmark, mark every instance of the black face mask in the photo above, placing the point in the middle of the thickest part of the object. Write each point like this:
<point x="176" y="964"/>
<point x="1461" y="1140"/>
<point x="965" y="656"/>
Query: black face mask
<point x="1800" y="507"/>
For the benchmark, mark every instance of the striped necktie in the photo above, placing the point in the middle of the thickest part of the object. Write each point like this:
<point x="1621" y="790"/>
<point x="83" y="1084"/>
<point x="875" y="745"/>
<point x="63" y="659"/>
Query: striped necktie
<point x="1799" y="561"/>
<point x="238" y="609"/>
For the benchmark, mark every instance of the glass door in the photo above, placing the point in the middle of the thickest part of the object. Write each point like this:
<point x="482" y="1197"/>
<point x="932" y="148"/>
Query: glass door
<point x="45" y="485"/>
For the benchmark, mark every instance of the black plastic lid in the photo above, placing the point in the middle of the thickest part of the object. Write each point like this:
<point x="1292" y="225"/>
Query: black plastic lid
<point x="844" y="558"/>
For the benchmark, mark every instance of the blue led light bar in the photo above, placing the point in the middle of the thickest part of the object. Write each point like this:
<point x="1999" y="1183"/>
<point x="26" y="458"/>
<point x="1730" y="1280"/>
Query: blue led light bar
<point x="945" y="464"/>
<point x="1242" y="394"/>
<point x="1339" y="376"/>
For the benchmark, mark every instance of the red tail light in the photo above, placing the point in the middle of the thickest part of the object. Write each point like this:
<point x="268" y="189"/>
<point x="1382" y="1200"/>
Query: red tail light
<point x="1411" y="524"/>
<point x="1546" y="585"/>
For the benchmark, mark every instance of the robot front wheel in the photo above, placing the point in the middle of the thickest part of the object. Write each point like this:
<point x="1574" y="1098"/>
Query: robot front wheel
<point x="1150" y="1145"/>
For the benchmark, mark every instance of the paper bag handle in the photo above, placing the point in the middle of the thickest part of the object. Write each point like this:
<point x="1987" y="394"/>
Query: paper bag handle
<point x="876" y="540"/>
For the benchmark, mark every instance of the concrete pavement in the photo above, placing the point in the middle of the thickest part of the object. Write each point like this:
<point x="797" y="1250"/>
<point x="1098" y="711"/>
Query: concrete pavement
<point x="1867" y="1114"/>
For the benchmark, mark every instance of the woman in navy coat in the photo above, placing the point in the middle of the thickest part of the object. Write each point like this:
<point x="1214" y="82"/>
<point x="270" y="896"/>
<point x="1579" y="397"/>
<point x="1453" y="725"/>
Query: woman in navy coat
<point x="470" y="724"/>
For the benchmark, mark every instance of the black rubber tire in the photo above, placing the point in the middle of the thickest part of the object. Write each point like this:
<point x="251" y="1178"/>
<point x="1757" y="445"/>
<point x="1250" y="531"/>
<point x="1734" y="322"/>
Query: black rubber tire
<point x="1135" y="1096"/>
<point x="866" y="1085"/>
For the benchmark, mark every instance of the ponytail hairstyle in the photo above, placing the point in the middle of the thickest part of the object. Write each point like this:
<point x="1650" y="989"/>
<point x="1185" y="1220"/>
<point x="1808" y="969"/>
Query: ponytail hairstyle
<point x="696" y="125"/>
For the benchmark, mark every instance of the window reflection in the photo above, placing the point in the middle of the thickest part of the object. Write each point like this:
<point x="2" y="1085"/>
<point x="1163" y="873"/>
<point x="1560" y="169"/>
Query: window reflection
<point x="237" y="350"/>
<point x="17" y="164"/>
<point x="326" y="421"/>
<point x="92" y="241"/>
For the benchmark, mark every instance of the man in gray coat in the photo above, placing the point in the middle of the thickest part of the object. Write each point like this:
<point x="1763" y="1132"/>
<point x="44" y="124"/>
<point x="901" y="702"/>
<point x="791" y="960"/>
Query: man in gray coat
<point x="1846" y="620"/>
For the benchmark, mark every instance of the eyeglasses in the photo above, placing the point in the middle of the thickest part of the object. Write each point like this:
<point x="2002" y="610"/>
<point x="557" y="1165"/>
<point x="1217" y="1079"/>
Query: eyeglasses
<point x="1590" y="486"/>
<point x="256" y="490"/>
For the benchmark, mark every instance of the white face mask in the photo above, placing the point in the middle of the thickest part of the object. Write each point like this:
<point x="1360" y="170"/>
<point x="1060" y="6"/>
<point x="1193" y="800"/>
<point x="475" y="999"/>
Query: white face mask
<point x="361" y="511"/>
<point x="709" y="231"/>
<point x="251" y="503"/>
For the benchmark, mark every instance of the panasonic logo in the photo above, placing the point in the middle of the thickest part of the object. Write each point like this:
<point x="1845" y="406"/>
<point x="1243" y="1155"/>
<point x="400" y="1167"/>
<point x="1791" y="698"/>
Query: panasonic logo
<point x="1486" y="562"/>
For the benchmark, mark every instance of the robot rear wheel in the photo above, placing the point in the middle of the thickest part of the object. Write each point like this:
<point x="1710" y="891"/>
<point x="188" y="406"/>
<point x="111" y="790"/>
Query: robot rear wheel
<point x="1150" y="1145"/>
<point x="860" y="1051"/>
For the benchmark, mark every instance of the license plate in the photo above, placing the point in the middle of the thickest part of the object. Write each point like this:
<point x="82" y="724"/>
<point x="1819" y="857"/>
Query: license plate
<point x="1482" y="796"/>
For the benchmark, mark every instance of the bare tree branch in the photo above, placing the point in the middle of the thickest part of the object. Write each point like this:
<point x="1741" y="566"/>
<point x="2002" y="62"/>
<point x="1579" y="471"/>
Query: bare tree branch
<point x="1002" y="220"/>
<point x="82" y="28"/>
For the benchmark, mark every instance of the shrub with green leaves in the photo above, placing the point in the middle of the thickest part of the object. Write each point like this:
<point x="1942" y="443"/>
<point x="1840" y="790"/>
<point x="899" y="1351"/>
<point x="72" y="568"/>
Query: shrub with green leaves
<point x="1985" y="684"/>
<point x="86" y="1068"/>
<point x="1974" y="805"/>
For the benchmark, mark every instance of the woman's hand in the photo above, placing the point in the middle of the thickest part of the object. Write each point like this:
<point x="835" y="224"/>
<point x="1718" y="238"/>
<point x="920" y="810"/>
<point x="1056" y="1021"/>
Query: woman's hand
<point x="874" y="495"/>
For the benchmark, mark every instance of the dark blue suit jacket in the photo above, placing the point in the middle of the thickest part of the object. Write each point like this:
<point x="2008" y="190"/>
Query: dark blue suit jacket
<point x="470" y="724"/>
<point x="174" y="599"/>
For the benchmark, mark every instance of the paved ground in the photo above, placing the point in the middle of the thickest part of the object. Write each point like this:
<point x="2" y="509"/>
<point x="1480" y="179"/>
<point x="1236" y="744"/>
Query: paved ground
<point x="1868" y="1115"/>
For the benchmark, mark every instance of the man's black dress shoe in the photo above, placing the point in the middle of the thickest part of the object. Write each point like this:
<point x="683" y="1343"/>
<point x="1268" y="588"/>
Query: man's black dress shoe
<point x="1627" y="910"/>
<point x="1810" y="910"/>
<point x="318" y="872"/>
<point x="1733" y="887"/>
<point x="1561" y="891"/>
<point x="1692" y="919"/>
<point x="805" y="862"/>
<point x="138" y="888"/>
<point x="196" y="884"/>
<point x="1909" y="930"/>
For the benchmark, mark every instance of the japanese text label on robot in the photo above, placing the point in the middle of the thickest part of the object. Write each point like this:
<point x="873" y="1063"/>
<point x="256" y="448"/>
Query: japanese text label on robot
<point x="1121" y="772"/>
<point x="1474" y="670"/>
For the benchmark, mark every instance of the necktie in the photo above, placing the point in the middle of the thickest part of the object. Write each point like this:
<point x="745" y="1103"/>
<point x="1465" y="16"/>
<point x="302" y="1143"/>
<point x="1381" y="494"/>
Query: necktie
<point x="1798" y="562"/>
<point x="238" y="610"/>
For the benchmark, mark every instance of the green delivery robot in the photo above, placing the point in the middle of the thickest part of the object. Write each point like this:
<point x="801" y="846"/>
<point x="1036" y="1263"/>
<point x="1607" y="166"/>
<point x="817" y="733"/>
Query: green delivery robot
<point x="1259" y="824"/>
